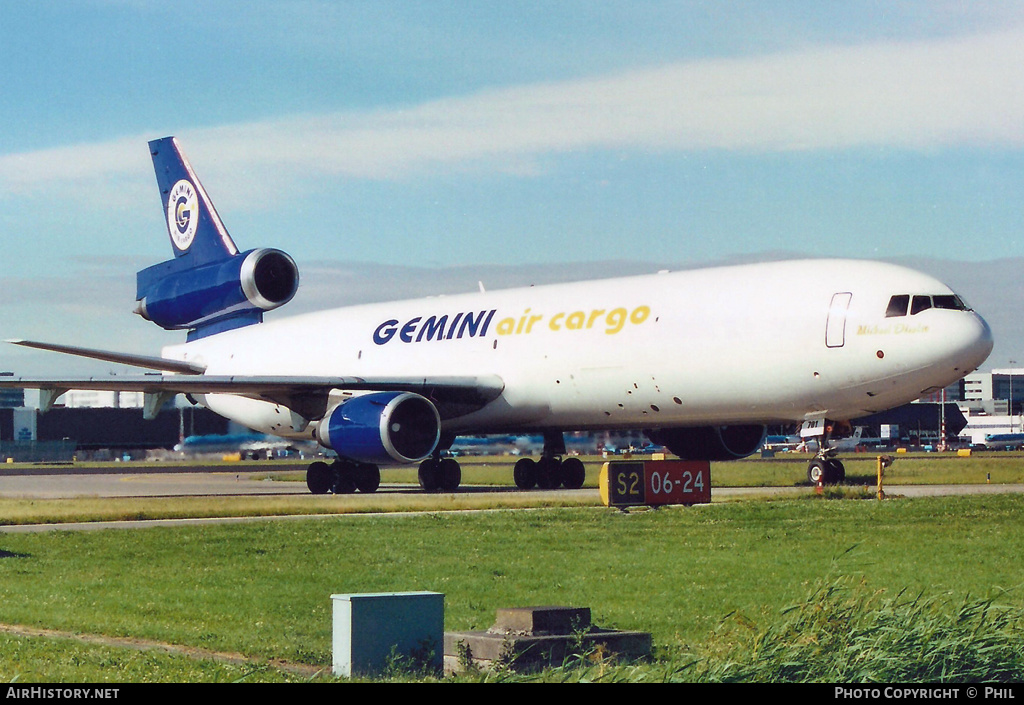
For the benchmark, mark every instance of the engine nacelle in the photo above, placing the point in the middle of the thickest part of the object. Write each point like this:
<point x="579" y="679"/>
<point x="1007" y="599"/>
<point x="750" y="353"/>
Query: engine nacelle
<point x="176" y="297"/>
<point x="710" y="442"/>
<point x="382" y="427"/>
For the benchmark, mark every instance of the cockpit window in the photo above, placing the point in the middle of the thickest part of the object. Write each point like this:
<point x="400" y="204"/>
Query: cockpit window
<point x="949" y="301"/>
<point x="921" y="303"/>
<point x="898" y="306"/>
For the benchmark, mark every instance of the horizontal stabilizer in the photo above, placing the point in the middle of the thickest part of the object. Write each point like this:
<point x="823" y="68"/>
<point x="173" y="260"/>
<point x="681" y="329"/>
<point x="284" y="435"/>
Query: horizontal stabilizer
<point x="147" y="361"/>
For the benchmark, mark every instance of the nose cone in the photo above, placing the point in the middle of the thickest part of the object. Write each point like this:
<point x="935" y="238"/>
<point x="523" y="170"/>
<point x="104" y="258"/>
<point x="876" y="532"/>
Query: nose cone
<point x="972" y="342"/>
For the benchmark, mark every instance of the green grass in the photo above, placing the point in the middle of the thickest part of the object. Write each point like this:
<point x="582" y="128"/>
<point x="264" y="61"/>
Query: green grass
<point x="703" y="580"/>
<point x="53" y="511"/>
<point x="841" y="633"/>
<point x="65" y="660"/>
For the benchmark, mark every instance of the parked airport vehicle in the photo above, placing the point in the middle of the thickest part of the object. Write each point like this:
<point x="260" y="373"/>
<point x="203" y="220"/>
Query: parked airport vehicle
<point x="700" y="360"/>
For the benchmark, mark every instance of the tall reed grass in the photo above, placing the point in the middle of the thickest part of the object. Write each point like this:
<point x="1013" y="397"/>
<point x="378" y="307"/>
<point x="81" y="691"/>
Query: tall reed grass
<point x="841" y="633"/>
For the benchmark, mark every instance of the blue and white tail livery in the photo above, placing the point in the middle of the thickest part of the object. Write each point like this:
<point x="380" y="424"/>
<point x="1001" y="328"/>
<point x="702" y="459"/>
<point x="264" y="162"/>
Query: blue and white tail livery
<point x="208" y="287"/>
<point x="195" y="229"/>
<point x="701" y="360"/>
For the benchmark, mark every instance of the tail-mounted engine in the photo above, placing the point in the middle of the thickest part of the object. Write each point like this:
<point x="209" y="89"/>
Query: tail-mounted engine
<point x="234" y="291"/>
<point x="710" y="442"/>
<point x="383" y="427"/>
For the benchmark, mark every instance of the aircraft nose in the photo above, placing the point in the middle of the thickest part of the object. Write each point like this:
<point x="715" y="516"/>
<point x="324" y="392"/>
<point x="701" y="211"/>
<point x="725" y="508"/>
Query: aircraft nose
<point x="975" y="342"/>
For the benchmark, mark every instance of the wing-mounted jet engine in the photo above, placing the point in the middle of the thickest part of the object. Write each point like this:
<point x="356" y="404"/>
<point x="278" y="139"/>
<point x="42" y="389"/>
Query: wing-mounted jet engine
<point x="383" y="427"/>
<point x="372" y="429"/>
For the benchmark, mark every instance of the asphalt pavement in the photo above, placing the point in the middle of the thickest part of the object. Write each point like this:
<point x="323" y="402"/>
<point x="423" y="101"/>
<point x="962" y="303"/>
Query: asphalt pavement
<point x="50" y="483"/>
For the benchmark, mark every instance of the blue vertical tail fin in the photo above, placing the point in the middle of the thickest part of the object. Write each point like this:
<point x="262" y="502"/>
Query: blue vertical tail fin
<point x="192" y="222"/>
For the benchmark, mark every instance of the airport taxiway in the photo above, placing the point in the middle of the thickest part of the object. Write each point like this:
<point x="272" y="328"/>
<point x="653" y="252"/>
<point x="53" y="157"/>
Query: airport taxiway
<point x="69" y="482"/>
<point x="66" y="483"/>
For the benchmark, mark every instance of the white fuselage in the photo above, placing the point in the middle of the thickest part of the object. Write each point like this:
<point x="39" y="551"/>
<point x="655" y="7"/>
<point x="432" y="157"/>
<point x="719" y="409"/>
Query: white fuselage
<point x="746" y="344"/>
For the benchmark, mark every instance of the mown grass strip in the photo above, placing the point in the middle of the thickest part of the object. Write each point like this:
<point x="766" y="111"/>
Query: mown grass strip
<point x="262" y="590"/>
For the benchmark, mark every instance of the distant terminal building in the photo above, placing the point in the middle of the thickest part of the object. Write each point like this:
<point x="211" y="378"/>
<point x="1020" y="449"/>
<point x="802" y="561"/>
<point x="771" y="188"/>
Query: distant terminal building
<point x="12" y="398"/>
<point x="125" y="429"/>
<point x="995" y="392"/>
<point x="99" y="432"/>
<point x="993" y="403"/>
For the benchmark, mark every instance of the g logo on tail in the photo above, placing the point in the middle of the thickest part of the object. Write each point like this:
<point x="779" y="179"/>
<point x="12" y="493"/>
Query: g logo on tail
<point x="182" y="214"/>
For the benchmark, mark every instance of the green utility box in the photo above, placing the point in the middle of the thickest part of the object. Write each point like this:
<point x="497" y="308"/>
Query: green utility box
<point x="371" y="629"/>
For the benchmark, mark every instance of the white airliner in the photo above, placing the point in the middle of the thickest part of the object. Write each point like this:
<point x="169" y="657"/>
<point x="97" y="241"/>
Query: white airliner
<point x="701" y="360"/>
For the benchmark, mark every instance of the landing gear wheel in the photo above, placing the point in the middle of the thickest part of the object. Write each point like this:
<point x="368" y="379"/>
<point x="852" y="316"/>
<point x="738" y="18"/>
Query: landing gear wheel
<point x="573" y="473"/>
<point x="816" y="471"/>
<point x="366" y="477"/>
<point x="319" y="478"/>
<point x="827" y="471"/>
<point x="525" y="474"/>
<point x="430" y="475"/>
<point x="344" y="474"/>
<point x="449" y="475"/>
<point x="549" y="473"/>
<point x="835" y="472"/>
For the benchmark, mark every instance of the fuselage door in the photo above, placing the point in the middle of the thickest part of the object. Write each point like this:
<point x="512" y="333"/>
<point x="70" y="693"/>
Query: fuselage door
<point x="835" y="327"/>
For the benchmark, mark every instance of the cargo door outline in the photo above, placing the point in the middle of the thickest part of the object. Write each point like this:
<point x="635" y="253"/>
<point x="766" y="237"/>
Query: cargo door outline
<point x="835" y="326"/>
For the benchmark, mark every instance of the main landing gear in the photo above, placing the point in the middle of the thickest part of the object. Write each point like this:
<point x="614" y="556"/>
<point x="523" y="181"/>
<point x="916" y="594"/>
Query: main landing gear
<point x="439" y="474"/>
<point x="342" y="477"/>
<point x="550" y="471"/>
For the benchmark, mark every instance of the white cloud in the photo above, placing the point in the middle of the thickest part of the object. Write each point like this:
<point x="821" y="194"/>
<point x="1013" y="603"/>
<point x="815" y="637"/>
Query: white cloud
<point x="77" y="163"/>
<point x="906" y="95"/>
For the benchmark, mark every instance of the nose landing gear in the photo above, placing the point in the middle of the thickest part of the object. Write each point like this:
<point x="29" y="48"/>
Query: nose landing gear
<point x="826" y="470"/>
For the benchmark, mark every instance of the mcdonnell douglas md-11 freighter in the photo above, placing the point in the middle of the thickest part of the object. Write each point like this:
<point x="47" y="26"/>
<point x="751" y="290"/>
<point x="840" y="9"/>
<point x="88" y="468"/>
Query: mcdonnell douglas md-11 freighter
<point x="700" y="360"/>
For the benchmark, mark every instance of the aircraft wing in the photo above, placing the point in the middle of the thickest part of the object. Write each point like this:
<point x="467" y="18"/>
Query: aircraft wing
<point x="305" y="395"/>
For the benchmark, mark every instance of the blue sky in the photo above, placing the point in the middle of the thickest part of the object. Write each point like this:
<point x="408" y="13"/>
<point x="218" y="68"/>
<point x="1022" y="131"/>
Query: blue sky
<point x="474" y="134"/>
